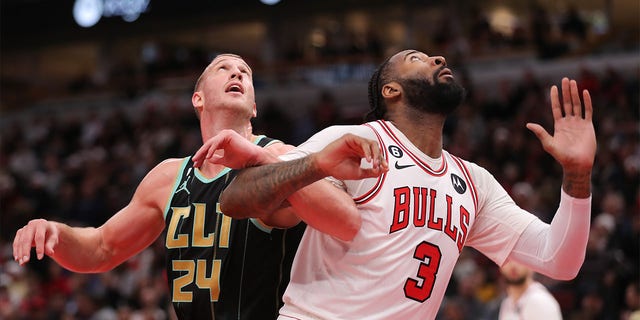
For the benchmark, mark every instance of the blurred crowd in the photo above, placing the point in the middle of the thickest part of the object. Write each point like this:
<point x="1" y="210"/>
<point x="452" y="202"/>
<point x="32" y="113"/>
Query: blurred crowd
<point x="80" y="168"/>
<point x="463" y="32"/>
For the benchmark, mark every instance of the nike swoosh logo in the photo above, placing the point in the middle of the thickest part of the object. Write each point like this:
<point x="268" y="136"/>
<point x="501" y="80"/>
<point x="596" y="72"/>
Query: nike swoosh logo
<point x="400" y="166"/>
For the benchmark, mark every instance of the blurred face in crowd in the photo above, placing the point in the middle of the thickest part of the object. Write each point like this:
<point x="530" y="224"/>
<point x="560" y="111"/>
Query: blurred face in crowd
<point x="515" y="273"/>
<point x="427" y="83"/>
<point x="226" y="83"/>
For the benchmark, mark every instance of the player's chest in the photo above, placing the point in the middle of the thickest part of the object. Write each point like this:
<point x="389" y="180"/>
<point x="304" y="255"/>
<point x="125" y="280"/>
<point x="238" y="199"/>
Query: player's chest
<point x="413" y="203"/>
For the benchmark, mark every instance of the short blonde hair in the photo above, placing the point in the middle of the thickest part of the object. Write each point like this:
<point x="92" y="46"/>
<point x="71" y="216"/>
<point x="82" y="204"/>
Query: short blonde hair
<point x="202" y="75"/>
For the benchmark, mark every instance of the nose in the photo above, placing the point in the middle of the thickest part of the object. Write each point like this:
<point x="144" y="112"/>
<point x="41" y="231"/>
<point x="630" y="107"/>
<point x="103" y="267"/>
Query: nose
<point x="236" y="74"/>
<point x="439" y="61"/>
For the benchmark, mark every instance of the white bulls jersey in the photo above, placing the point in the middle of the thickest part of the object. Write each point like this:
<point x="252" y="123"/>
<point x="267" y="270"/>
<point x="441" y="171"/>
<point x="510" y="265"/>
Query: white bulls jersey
<point x="416" y="218"/>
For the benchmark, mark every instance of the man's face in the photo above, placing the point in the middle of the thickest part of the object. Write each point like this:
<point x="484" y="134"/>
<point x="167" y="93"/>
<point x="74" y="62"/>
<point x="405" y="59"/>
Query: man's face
<point x="427" y="83"/>
<point x="515" y="273"/>
<point x="228" y="82"/>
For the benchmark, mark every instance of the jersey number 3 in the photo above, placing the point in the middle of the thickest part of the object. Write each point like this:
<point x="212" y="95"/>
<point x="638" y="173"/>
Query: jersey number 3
<point x="429" y="256"/>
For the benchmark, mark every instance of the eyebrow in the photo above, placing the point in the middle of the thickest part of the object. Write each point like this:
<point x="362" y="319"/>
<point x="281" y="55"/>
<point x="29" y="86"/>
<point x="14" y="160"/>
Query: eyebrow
<point x="224" y="60"/>
<point x="410" y="53"/>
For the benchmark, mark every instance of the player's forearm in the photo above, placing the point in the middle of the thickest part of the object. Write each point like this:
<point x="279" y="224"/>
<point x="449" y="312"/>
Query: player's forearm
<point x="258" y="191"/>
<point x="80" y="250"/>
<point x="328" y="209"/>
<point x="577" y="183"/>
<point x="568" y="235"/>
<point x="557" y="250"/>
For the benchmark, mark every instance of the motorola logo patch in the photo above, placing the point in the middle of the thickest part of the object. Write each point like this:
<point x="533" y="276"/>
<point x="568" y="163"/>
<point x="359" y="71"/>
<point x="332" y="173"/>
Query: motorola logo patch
<point x="458" y="184"/>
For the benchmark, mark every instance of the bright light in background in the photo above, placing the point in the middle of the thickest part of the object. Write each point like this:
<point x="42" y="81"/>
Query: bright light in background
<point x="503" y="20"/>
<point x="88" y="12"/>
<point x="318" y="38"/>
<point x="270" y="2"/>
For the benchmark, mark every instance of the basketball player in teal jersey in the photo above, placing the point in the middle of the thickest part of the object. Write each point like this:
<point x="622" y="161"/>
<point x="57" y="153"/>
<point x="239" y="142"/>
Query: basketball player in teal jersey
<point x="426" y="205"/>
<point x="218" y="267"/>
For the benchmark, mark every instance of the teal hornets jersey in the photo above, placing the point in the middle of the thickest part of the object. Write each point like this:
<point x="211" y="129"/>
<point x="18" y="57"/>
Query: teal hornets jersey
<point x="219" y="267"/>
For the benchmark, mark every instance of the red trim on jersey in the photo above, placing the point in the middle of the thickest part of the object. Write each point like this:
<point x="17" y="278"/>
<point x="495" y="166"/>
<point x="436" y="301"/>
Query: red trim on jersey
<point x="467" y="177"/>
<point x="376" y="188"/>
<point x="437" y="172"/>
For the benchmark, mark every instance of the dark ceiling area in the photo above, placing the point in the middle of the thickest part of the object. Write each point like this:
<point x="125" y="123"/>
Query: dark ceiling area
<point x="34" y="23"/>
<point x="43" y="49"/>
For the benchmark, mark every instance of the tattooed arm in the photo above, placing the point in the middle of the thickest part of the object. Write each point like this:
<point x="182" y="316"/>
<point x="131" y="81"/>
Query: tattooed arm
<point x="257" y="194"/>
<point x="259" y="190"/>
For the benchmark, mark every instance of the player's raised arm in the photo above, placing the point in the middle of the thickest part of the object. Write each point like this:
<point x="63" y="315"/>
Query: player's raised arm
<point x="558" y="250"/>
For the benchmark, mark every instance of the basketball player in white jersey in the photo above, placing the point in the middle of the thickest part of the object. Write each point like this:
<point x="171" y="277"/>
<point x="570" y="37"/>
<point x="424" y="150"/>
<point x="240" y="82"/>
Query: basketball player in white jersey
<point x="424" y="206"/>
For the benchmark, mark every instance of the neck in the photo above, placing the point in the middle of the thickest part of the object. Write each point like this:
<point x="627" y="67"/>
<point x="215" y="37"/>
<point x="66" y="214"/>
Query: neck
<point x="211" y="126"/>
<point x="422" y="129"/>
<point x="516" y="291"/>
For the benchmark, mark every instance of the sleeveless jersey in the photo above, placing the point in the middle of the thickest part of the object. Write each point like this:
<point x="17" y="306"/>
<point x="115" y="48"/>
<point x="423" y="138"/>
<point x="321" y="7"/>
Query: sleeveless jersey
<point x="416" y="218"/>
<point x="219" y="267"/>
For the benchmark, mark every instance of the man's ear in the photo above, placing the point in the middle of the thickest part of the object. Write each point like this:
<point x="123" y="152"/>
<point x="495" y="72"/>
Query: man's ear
<point x="255" y="110"/>
<point x="198" y="101"/>
<point x="391" y="90"/>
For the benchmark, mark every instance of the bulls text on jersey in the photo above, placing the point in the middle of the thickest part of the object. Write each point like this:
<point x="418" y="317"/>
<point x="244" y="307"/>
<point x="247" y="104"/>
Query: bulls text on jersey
<point x="417" y="205"/>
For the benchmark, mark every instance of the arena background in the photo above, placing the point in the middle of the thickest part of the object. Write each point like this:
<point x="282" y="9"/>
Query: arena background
<point x="85" y="112"/>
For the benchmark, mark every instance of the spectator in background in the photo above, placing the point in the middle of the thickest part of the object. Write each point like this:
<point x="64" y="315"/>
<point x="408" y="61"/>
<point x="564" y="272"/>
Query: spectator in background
<point x="574" y="27"/>
<point x="591" y="307"/>
<point x="527" y="299"/>
<point x="547" y="41"/>
<point x="274" y="121"/>
<point x="323" y="113"/>
<point x="631" y="311"/>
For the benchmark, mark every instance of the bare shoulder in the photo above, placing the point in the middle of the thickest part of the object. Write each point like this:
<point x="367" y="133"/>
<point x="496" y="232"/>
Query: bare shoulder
<point x="168" y="167"/>
<point x="157" y="184"/>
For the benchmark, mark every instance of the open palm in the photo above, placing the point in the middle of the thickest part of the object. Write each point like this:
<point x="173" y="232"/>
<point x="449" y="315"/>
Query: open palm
<point x="573" y="143"/>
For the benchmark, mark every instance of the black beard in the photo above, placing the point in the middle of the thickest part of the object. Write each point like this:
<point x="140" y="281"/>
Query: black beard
<point x="516" y="282"/>
<point x="433" y="97"/>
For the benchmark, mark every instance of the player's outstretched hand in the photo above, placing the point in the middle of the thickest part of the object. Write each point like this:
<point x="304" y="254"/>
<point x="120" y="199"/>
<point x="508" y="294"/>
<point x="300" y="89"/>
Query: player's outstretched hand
<point x="573" y="143"/>
<point x="38" y="233"/>
<point x="230" y="149"/>
<point x="351" y="158"/>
